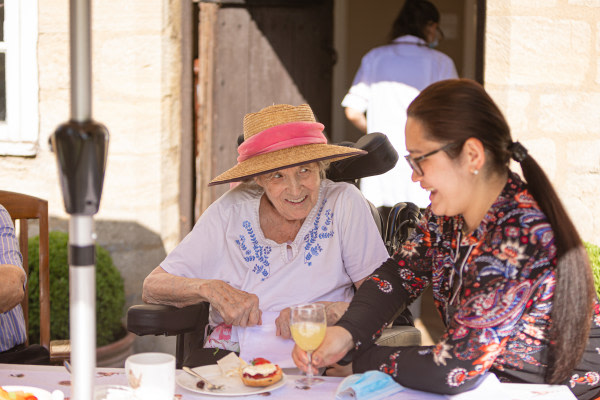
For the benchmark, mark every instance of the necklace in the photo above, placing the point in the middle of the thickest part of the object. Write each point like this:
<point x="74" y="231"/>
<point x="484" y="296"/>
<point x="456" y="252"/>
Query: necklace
<point x="455" y="287"/>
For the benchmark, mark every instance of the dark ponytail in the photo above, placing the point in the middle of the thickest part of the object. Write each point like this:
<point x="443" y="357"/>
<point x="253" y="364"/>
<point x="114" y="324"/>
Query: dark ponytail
<point x="413" y="19"/>
<point x="574" y="288"/>
<point x="457" y="109"/>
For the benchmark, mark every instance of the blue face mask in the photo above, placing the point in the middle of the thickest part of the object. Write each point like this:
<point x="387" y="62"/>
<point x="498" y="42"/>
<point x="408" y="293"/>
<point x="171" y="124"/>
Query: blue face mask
<point x="434" y="44"/>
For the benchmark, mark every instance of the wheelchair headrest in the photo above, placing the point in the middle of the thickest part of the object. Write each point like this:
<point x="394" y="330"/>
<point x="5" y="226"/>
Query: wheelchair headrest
<point x="381" y="157"/>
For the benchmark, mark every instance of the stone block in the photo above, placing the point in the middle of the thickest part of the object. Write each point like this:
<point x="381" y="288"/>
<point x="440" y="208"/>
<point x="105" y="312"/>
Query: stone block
<point x="512" y="7"/>
<point x="134" y="126"/>
<point x="532" y="4"/>
<point x="516" y="111"/>
<point x="53" y="16"/>
<point x="134" y="71"/>
<point x="497" y="54"/>
<point x="577" y="195"/>
<point x="583" y="157"/>
<point x="128" y="16"/>
<point x="543" y="150"/>
<point x="53" y="61"/>
<point x="54" y="109"/>
<point x="588" y="3"/>
<point x="598" y="52"/>
<point x="132" y="190"/>
<point x="494" y="7"/>
<point x="548" y="51"/>
<point x="570" y="112"/>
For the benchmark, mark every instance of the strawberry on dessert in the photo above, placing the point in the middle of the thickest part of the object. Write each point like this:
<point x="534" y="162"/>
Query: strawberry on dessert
<point x="261" y="372"/>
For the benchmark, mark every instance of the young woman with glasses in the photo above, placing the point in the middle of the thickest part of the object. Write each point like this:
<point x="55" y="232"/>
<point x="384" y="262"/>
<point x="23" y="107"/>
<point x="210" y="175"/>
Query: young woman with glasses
<point x="510" y="275"/>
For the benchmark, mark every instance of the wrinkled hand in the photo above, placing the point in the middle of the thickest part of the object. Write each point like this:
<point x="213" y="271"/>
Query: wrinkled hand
<point x="283" y="323"/>
<point x="237" y="307"/>
<point x="336" y="344"/>
<point x="335" y="311"/>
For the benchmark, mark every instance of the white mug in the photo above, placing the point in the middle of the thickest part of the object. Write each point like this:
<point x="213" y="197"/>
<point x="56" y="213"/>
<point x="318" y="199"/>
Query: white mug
<point x="151" y="375"/>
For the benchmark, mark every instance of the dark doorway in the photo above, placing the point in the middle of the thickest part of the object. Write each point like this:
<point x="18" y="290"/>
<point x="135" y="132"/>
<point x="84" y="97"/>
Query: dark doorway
<point x="361" y="25"/>
<point x="253" y="54"/>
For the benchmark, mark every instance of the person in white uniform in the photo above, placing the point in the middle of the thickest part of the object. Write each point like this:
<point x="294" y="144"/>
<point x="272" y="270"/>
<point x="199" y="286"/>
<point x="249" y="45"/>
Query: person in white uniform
<point x="388" y="80"/>
<point x="284" y="236"/>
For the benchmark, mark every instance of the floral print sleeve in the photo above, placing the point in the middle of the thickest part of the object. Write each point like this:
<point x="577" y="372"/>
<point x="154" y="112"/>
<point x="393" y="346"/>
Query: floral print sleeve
<point x="494" y="291"/>
<point x="390" y="288"/>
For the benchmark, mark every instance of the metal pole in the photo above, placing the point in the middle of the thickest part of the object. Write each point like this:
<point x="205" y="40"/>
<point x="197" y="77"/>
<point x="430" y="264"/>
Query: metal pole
<point x="82" y="298"/>
<point x="81" y="148"/>
<point x="82" y="278"/>
<point x="81" y="71"/>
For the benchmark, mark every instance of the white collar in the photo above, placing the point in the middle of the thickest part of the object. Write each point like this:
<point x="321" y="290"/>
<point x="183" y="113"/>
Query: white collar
<point x="410" y="39"/>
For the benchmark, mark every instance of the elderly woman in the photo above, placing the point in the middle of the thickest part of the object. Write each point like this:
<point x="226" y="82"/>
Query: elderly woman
<point x="285" y="236"/>
<point x="510" y="275"/>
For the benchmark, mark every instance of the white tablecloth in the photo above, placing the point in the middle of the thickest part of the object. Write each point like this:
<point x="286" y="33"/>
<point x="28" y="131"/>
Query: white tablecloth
<point x="52" y="377"/>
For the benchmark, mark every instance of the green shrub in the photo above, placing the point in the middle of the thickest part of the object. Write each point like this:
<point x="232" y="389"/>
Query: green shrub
<point x="110" y="294"/>
<point x="594" y="254"/>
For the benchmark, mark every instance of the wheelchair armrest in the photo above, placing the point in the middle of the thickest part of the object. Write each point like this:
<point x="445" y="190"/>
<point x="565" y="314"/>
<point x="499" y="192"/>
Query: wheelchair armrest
<point x="158" y="319"/>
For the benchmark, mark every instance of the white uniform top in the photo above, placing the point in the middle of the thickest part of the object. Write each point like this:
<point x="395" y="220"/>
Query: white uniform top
<point x="338" y="244"/>
<point x="388" y="80"/>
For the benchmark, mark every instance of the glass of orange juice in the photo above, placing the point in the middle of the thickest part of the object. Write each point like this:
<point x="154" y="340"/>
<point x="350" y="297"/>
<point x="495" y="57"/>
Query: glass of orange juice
<point x="308" y="324"/>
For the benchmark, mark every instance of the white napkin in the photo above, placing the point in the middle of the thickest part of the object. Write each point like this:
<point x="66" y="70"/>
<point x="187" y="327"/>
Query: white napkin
<point x="261" y="341"/>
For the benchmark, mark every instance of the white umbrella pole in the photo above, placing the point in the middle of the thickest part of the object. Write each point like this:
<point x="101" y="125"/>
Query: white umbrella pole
<point x="82" y="300"/>
<point x="81" y="147"/>
<point x="82" y="278"/>
<point x="81" y="70"/>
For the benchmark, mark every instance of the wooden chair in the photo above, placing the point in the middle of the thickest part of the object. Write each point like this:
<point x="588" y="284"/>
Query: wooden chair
<point x="22" y="208"/>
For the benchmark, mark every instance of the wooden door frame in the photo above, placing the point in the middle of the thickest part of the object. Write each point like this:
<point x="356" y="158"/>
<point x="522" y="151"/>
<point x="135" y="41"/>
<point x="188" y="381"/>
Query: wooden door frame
<point x="197" y="192"/>
<point x="480" y="42"/>
<point x="186" y="164"/>
<point x="208" y="12"/>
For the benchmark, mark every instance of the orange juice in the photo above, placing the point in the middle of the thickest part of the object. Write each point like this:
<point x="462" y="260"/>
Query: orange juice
<point x="308" y="335"/>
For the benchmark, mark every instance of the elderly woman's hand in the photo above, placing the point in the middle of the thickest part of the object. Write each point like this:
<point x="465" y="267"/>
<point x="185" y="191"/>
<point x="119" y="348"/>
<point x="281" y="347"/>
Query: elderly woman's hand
<point x="237" y="307"/>
<point x="335" y="310"/>
<point x="283" y="323"/>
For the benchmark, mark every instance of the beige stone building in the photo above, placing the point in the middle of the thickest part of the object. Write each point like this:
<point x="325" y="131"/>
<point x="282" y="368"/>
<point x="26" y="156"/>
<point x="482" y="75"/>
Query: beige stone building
<point x="543" y="68"/>
<point x="541" y="64"/>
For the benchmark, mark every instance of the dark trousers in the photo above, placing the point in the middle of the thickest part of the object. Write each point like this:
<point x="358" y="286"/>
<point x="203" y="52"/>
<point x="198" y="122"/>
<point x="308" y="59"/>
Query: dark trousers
<point x="21" y="354"/>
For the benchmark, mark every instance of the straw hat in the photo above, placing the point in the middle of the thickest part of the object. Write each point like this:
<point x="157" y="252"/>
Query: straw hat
<point x="278" y="137"/>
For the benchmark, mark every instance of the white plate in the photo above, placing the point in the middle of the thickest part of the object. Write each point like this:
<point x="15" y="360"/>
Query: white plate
<point x="233" y="385"/>
<point x="41" y="394"/>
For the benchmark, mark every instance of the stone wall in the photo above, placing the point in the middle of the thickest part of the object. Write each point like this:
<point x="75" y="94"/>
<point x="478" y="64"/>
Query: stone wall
<point x="542" y="66"/>
<point x="136" y="94"/>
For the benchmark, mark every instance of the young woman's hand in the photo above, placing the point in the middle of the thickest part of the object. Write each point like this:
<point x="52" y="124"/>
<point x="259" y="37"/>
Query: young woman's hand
<point x="336" y="344"/>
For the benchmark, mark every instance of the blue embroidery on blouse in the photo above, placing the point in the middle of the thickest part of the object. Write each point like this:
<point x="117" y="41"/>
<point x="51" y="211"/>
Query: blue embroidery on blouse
<point x="312" y="248"/>
<point x="254" y="252"/>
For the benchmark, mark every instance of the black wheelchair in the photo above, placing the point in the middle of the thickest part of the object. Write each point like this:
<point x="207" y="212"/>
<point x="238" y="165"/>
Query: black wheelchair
<point x="188" y="323"/>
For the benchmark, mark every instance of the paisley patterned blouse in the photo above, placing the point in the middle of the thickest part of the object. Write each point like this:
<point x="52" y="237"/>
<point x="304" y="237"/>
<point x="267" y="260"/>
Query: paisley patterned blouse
<point x="494" y="290"/>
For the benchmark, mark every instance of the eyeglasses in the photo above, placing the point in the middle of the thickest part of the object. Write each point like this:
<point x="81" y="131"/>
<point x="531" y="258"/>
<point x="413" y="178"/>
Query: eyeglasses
<point x="414" y="162"/>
